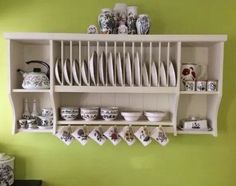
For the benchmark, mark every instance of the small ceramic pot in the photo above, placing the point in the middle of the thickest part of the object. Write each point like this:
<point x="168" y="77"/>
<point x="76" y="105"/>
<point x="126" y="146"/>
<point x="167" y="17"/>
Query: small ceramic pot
<point x="89" y="113"/>
<point x="201" y="85"/>
<point x="122" y="29"/>
<point x="106" y="21"/>
<point x="143" y="24"/>
<point x="47" y="112"/>
<point x="6" y="170"/>
<point x="189" y="85"/>
<point x="92" y="29"/>
<point x="212" y="86"/>
<point x="69" y="113"/>
<point x="22" y="123"/>
<point x="131" y="19"/>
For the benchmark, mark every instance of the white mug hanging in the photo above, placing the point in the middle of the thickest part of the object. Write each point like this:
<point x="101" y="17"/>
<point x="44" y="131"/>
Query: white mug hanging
<point x="159" y="135"/>
<point x="113" y="135"/>
<point x="97" y="135"/>
<point x="143" y="135"/>
<point x="81" y="134"/>
<point x="64" y="134"/>
<point x="127" y="135"/>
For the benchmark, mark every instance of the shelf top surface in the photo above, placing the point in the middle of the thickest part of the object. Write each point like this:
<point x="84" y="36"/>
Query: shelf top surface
<point x="113" y="37"/>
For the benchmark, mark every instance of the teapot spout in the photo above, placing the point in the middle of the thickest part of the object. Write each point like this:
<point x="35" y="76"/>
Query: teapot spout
<point x="21" y="71"/>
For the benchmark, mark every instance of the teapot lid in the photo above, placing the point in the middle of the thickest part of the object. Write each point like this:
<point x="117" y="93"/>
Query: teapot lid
<point x="4" y="157"/>
<point x="37" y="70"/>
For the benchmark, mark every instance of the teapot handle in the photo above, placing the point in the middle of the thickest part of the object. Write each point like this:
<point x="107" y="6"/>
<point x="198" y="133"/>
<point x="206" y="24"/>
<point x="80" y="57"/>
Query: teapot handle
<point x="42" y="63"/>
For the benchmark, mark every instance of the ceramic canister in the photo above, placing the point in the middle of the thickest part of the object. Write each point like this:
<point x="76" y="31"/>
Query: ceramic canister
<point x="212" y="85"/>
<point x="6" y="170"/>
<point x="201" y="85"/>
<point x="189" y="85"/>
<point x="106" y="21"/>
<point x="132" y="12"/>
<point x="143" y="24"/>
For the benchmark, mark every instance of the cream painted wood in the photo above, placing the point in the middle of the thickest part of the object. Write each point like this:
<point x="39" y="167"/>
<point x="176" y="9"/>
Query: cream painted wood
<point x="207" y="50"/>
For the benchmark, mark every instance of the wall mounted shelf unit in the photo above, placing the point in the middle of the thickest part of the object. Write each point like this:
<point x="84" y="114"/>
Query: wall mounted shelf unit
<point x="205" y="50"/>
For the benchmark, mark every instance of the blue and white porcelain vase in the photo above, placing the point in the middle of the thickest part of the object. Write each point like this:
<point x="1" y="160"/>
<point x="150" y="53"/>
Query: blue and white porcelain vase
<point x="143" y="24"/>
<point x="131" y="19"/>
<point x="106" y="21"/>
<point x="120" y="14"/>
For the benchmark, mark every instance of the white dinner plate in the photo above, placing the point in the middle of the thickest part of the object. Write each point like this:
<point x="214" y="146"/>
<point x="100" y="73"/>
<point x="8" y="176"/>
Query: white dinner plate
<point x="137" y="73"/>
<point x="93" y="67"/>
<point x="58" y="71"/>
<point x="67" y="71"/>
<point x="163" y="75"/>
<point x="128" y="70"/>
<point x="154" y="75"/>
<point x="119" y="70"/>
<point x="145" y="75"/>
<point x="76" y="71"/>
<point x="111" y="69"/>
<point x="84" y="71"/>
<point x="102" y="68"/>
<point x="172" y="76"/>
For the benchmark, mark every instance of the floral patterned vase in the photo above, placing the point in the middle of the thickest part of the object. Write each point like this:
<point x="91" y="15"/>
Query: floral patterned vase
<point x="106" y="21"/>
<point x="143" y="24"/>
<point x="131" y="19"/>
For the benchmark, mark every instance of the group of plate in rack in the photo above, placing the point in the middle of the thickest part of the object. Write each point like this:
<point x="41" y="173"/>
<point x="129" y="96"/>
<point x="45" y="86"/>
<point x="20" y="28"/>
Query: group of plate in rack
<point x="114" y="70"/>
<point x="114" y="134"/>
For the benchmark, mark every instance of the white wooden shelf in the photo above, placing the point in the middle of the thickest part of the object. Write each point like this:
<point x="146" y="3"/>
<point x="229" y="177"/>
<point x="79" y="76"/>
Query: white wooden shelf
<point x="117" y="89"/>
<point x="199" y="92"/>
<point x="115" y="122"/>
<point x="204" y="50"/>
<point x="36" y="130"/>
<point x="31" y="91"/>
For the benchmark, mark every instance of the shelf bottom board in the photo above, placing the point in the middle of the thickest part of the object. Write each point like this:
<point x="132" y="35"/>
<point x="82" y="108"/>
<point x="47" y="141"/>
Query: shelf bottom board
<point x="194" y="132"/>
<point x="35" y="130"/>
<point x="115" y="122"/>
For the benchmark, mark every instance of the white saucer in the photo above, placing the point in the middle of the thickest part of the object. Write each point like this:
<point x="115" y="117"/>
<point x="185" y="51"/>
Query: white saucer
<point x="154" y="75"/>
<point x="102" y="69"/>
<point x="119" y="70"/>
<point x="92" y="67"/>
<point x="67" y="71"/>
<point x="137" y="74"/>
<point x="163" y="75"/>
<point x="111" y="69"/>
<point x="76" y="71"/>
<point x="128" y="70"/>
<point x="172" y="76"/>
<point x="58" y="71"/>
<point x="145" y="75"/>
<point x="45" y="127"/>
<point x="84" y="71"/>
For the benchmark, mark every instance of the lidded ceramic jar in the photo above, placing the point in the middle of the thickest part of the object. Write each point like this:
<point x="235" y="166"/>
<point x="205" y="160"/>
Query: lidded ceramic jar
<point x="132" y="12"/>
<point x="106" y="21"/>
<point x="6" y="170"/>
<point x="143" y="24"/>
<point x="120" y="13"/>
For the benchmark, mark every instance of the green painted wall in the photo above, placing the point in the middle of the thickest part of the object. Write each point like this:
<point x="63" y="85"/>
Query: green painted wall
<point x="187" y="160"/>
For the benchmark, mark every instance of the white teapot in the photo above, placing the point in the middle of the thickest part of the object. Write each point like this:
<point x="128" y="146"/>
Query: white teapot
<point x="36" y="79"/>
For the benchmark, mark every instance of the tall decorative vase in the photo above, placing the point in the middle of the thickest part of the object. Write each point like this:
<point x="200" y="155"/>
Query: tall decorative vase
<point x="120" y="13"/>
<point x="131" y="19"/>
<point x="143" y="24"/>
<point x="26" y="113"/>
<point x="106" y="21"/>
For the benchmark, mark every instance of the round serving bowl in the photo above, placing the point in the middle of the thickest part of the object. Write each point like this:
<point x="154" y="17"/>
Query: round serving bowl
<point x="69" y="113"/>
<point x="109" y="113"/>
<point x="155" y="116"/>
<point x="89" y="113"/>
<point x="45" y="121"/>
<point x="132" y="115"/>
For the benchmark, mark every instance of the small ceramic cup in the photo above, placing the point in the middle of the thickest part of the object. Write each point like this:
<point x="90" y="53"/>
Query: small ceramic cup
<point x="189" y="85"/>
<point x="22" y="123"/>
<point x="31" y="123"/>
<point x="201" y="85"/>
<point x="212" y="85"/>
<point x="47" y="112"/>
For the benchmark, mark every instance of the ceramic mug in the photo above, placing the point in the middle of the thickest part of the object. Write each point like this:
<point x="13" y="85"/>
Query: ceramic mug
<point x="189" y="85"/>
<point x="190" y="72"/>
<point x="22" y="123"/>
<point x="201" y="86"/>
<point x="32" y="123"/>
<point x="47" y="112"/>
<point x="212" y="86"/>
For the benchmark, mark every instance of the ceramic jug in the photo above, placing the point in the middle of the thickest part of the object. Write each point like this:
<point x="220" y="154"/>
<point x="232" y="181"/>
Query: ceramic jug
<point x="106" y="21"/>
<point x="143" y="24"/>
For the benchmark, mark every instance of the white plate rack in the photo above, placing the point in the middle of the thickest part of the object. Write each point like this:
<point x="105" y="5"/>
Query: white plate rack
<point x="207" y="50"/>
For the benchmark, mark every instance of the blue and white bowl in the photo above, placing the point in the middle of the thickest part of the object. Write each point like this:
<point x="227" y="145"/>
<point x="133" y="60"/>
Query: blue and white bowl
<point x="89" y="113"/>
<point x="69" y="113"/>
<point x="109" y="113"/>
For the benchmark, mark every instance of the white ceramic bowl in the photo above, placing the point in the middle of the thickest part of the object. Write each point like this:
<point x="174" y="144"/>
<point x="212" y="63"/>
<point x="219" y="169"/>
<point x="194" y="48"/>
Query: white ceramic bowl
<point x="131" y="116"/>
<point x="89" y="113"/>
<point x="69" y="113"/>
<point x="109" y="113"/>
<point x="155" y="116"/>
